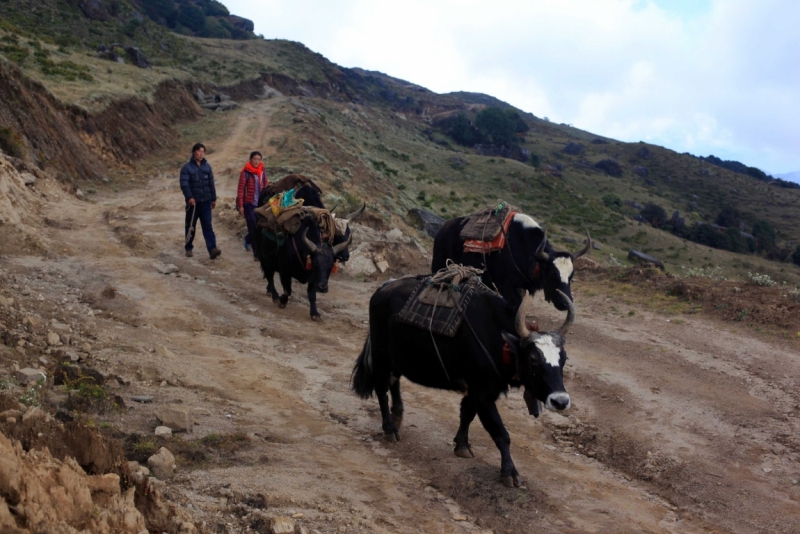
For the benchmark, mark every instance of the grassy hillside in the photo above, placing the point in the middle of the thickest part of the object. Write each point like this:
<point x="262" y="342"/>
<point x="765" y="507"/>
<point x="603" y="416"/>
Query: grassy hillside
<point x="368" y="136"/>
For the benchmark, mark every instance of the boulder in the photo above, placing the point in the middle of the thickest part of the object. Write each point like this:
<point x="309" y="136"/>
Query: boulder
<point x="360" y="265"/>
<point x="425" y="220"/>
<point x="677" y="221"/>
<point x="610" y="167"/>
<point x="33" y="413"/>
<point x="162" y="464"/>
<point x="29" y="376"/>
<point x="643" y="153"/>
<point x="176" y="417"/>
<point x="94" y="9"/>
<point x="165" y="268"/>
<point x="136" y="57"/>
<point x="394" y="235"/>
<point x="241" y="23"/>
<point x="573" y="149"/>
<point x="199" y="95"/>
<point x="53" y="339"/>
<point x="645" y="258"/>
<point x="641" y="170"/>
<point x="281" y="525"/>
<point x="163" y="431"/>
<point x="28" y="179"/>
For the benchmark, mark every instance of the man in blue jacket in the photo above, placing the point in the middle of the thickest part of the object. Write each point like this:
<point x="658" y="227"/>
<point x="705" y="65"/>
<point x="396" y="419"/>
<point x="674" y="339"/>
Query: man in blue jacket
<point x="197" y="184"/>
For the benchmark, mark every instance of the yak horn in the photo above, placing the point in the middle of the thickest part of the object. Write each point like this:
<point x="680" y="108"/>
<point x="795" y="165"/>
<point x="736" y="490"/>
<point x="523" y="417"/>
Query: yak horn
<point x="564" y="328"/>
<point x="334" y="208"/>
<point x="310" y="244"/>
<point x="586" y="249"/>
<point x="522" y="328"/>
<point x="540" y="253"/>
<point x="341" y="246"/>
<point x="356" y="214"/>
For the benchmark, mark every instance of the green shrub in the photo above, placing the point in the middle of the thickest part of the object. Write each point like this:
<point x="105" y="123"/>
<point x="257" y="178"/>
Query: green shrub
<point x="612" y="201"/>
<point x="11" y="143"/>
<point x="493" y="123"/>
<point x="192" y="17"/>
<point x="654" y="214"/>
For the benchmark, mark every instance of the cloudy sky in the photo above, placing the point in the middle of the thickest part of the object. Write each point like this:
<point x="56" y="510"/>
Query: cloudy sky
<point x="702" y="76"/>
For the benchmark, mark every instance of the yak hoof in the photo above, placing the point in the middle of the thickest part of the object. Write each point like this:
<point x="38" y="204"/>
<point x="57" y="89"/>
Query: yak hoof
<point x="398" y="420"/>
<point x="393" y="437"/>
<point x="316" y="318"/>
<point x="511" y="481"/>
<point x="464" y="452"/>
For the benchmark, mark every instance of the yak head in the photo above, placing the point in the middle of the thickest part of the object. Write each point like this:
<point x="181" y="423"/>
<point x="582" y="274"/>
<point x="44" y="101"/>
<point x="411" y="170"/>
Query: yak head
<point x="541" y="359"/>
<point x="555" y="271"/>
<point x="344" y="255"/>
<point x="323" y="258"/>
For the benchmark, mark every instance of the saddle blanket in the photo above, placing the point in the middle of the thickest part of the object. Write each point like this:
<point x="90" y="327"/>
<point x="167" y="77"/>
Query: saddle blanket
<point x="484" y="225"/>
<point x="498" y="241"/>
<point x="435" y="307"/>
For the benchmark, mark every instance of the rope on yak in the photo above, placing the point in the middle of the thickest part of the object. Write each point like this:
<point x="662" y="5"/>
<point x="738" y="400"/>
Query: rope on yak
<point x="451" y="276"/>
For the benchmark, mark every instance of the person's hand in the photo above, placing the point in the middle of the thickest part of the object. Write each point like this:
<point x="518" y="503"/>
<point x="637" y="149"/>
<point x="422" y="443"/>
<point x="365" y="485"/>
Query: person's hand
<point x="213" y="204"/>
<point x="241" y="211"/>
<point x="191" y="202"/>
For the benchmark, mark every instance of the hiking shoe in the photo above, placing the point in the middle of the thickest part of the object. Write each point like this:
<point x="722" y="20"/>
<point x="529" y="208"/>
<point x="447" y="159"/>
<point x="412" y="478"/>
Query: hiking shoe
<point x="189" y="253"/>
<point x="246" y="244"/>
<point x="214" y="253"/>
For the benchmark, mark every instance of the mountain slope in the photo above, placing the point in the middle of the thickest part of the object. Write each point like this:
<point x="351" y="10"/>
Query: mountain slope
<point x="369" y="136"/>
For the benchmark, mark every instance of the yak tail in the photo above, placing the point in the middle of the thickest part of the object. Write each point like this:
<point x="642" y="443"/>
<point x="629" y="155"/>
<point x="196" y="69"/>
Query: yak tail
<point x="363" y="381"/>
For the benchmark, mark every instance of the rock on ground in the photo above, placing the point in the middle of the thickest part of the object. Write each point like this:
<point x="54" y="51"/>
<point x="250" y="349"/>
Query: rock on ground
<point x="163" y="431"/>
<point x="28" y="376"/>
<point x="162" y="464"/>
<point x="176" y="417"/>
<point x="281" y="525"/>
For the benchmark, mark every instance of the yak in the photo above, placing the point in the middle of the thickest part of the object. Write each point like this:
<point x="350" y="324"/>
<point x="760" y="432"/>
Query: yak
<point x="291" y="258"/>
<point x="492" y="350"/>
<point x="527" y="261"/>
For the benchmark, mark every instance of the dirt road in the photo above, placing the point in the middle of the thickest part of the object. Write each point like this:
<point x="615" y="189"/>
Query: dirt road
<point x="676" y="426"/>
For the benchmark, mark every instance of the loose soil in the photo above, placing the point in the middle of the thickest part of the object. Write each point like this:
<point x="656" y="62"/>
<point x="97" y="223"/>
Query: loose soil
<point x="680" y="423"/>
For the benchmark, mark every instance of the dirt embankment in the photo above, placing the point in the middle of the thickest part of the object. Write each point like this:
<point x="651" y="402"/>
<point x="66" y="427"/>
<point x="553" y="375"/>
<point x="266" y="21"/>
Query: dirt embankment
<point x="71" y="144"/>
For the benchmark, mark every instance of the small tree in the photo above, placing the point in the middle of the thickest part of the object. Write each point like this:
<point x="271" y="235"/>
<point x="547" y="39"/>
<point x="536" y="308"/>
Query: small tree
<point x="765" y="236"/>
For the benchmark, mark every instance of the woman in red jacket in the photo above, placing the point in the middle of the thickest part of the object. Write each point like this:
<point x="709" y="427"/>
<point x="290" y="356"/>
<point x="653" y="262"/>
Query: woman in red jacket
<point x="251" y="181"/>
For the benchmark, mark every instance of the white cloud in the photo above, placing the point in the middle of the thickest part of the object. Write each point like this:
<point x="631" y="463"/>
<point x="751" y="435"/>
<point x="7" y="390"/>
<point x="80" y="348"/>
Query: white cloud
<point x="722" y="79"/>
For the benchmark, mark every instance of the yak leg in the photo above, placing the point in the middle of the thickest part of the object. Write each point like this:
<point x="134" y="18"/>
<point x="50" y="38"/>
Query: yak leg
<point x="286" y="282"/>
<point x="312" y="301"/>
<point x="269" y="274"/>
<point x="468" y="411"/>
<point x="389" y="428"/>
<point x="397" y="401"/>
<point x="490" y="417"/>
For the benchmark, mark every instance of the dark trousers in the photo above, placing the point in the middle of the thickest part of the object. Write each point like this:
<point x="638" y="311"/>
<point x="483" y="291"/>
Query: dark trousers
<point x="251" y="218"/>
<point x="202" y="211"/>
